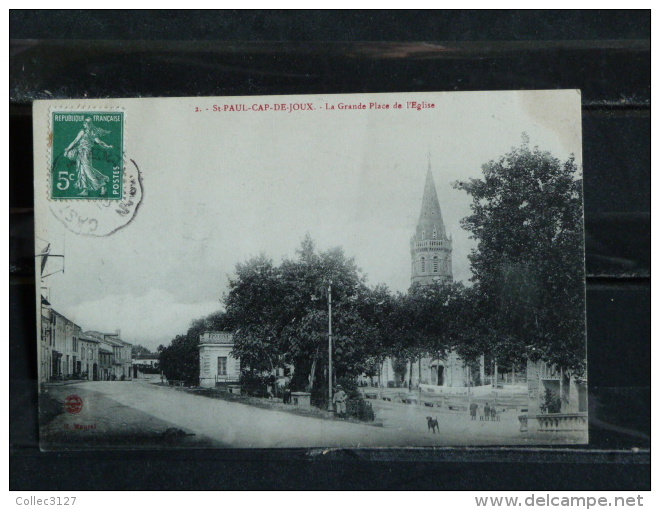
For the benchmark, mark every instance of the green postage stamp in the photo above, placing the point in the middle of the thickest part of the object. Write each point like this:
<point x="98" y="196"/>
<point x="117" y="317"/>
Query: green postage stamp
<point x="87" y="155"/>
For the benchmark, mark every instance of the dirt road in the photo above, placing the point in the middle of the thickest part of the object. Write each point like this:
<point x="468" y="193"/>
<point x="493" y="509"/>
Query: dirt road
<point x="139" y="405"/>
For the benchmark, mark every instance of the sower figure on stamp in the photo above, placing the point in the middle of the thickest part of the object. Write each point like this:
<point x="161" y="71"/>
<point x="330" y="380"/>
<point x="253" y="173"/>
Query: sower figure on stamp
<point x="339" y="399"/>
<point x="80" y="151"/>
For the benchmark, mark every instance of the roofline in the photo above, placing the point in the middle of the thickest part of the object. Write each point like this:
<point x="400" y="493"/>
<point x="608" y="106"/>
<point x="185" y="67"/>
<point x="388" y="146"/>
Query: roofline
<point x="86" y="339"/>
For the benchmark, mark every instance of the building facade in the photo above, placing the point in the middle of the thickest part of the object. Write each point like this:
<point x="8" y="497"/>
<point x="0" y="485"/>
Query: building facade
<point x="88" y="364"/>
<point x="216" y="364"/>
<point x="146" y="361"/>
<point x="105" y="362"/>
<point x="45" y="343"/>
<point x="121" y="360"/>
<point x="65" y="352"/>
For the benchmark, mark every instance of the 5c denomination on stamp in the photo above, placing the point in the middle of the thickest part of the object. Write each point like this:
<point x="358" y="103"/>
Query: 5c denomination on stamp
<point x="87" y="155"/>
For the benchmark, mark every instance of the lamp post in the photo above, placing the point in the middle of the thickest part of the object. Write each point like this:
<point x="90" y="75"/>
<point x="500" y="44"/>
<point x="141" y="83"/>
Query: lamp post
<point x="330" y="407"/>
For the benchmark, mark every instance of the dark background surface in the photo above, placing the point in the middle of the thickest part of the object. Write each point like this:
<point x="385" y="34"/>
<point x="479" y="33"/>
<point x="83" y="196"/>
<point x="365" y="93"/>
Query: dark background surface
<point x="62" y="54"/>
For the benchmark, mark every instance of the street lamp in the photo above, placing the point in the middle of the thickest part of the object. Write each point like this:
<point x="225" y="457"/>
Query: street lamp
<point x="330" y="407"/>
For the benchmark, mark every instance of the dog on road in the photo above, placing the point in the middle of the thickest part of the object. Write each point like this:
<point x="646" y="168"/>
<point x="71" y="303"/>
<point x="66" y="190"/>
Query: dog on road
<point x="432" y="424"/>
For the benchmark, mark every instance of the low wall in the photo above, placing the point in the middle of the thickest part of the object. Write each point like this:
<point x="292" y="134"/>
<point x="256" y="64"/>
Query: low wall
<point x="554" y="423"/>
<point x="475" y="391"/>
<point x="429" y="389"/>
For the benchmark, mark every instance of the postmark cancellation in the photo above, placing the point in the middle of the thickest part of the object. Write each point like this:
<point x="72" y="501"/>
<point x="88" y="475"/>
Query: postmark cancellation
<point x="93" y="187"/>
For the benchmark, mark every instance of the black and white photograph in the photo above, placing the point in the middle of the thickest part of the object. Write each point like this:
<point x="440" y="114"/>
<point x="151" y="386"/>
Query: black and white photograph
<point x="354" y="271"/>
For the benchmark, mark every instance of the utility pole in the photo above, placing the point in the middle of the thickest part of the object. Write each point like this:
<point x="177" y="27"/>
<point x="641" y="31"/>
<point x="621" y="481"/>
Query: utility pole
<point x="330" y="407"/>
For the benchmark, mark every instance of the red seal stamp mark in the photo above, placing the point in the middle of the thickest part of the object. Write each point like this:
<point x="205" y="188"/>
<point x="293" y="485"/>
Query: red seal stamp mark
<point x="73" y="404"/>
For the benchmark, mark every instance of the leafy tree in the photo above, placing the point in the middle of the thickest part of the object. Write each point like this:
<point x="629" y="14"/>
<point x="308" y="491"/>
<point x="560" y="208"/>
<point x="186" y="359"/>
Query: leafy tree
<point x="281" y="314"/>
<point x="528" y="265"/>
<point x="402" y="334"/>
<point x="254" y="303"/>
<point x="179" y="361"/>
<point x="138" y="349"/>
<point x="376" y="306"/>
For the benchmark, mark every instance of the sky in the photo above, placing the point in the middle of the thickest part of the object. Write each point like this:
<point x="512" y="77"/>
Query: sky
<point x="221" y="187"/>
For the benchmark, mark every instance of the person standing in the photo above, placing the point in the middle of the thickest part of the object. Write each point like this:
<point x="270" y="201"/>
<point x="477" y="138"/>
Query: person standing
<point x="473" y="411"/>
<point x="339" y="400"/>
<point x="487" y="412"/>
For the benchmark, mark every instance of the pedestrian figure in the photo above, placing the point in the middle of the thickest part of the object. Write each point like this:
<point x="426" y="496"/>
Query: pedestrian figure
<point x="473" y="411"/>
<point x="339" y="399"/>
<point x="480" y="412"/>
<point x="487" y="412"/>
<point x="493" y="414"/>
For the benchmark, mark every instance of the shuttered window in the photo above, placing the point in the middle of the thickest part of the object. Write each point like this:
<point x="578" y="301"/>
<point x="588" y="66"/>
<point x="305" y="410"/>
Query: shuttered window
<point x="222" y="365"/>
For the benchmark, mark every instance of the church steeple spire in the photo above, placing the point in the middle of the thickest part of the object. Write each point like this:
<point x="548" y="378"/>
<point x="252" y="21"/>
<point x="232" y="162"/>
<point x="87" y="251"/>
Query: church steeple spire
<point x="430" y="248"/>
<point x="430" y="224"/>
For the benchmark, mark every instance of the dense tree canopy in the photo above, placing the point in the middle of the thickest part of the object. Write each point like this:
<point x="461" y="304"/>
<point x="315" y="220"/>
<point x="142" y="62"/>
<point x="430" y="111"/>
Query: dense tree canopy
<point x="282" y="313"/>
<point x="528" y="264"/>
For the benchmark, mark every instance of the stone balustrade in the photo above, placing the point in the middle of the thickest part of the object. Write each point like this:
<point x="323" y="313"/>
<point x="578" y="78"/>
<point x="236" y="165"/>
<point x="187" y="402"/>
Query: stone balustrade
<point x="562" y="422"/>
<point x="554" y="422"/>
<point x="432" y="245"/>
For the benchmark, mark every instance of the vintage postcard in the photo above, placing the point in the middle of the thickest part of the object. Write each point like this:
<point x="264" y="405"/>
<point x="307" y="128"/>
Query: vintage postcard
<point x="367" y="270"/>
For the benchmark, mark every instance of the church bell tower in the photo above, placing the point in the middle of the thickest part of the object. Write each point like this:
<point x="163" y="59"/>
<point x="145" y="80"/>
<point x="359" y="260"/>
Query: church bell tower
<point x="430" y="248"/>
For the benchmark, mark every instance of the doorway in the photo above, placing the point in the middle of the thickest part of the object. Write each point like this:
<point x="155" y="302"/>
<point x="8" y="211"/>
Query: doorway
<point x="440" y="373"/>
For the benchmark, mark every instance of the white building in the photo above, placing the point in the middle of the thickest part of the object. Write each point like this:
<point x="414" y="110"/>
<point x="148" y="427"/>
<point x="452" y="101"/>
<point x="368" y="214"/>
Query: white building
<point x="145" y="360"/>
<point x="216" y="364"/>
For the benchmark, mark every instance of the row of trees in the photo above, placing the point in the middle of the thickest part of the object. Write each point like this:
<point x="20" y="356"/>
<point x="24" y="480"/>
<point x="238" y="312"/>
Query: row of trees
<point x="526" y="300"/>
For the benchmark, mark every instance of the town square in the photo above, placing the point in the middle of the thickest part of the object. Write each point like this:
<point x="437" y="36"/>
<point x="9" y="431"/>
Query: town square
<point x="414" y="289"/>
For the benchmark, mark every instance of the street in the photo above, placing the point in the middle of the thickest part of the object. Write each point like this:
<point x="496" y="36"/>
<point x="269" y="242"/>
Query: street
<point x="455" y="427"/>
<point x="136" y="407"/>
